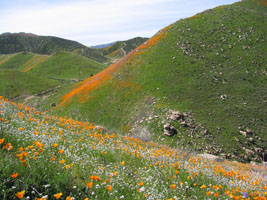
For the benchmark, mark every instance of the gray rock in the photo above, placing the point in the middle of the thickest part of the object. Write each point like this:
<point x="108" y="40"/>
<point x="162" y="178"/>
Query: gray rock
<point x="183" y="123"/>
<point x="169" y="130"/>
<point x="251" y="139"/>
<point x="249" y="131"/>
<point x="175" y="115"/>
<point x="259" y="150"/>
<point x="244" y="133"/>
<point x="210" y="157"/>
<point x="249" y="152"/>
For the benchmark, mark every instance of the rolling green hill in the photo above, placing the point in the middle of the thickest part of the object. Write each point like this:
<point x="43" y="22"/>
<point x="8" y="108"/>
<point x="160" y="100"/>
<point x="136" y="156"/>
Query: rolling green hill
<point x="15" y="83"/>
<point x="61" y="65"/>
<point x="210" y="67"/>
<point x="17" y="42"/>
<point x="66" y="65"/>
<point x="20" y="73"/>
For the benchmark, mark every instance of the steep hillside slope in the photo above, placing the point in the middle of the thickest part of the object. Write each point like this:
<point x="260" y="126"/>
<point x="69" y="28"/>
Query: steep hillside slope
<point x="66" y="65"/>
<point x="18" y="42"/>
<point x="15" y="83"/>
<point x="210" y="67"/>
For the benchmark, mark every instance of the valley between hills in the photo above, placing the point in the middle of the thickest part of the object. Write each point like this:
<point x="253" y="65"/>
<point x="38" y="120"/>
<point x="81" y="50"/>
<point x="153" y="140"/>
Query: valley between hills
<point x="180" y="115"/>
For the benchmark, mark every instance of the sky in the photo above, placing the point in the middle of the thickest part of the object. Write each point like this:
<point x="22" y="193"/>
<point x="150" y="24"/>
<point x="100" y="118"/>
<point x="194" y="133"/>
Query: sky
<point x="94" y="22"/>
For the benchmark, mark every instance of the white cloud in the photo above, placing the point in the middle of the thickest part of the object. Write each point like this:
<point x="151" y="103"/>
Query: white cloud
<point x="97" y="21"/>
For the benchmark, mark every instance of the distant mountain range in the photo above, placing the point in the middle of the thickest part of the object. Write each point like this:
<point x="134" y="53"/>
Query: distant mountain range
<point x="101" y="46"/>
<point x="17" y="42"/>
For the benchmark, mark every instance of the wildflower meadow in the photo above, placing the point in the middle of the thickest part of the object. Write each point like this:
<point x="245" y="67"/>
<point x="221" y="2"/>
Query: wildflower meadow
<point x="48" y="157"/>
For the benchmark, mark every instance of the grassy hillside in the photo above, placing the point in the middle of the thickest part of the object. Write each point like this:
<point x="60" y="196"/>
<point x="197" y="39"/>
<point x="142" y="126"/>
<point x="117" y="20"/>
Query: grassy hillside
<point x="210" y="67"/>
<point x="92" y="53"/>
<point x="49" y="157"/>
<point x="15" y="83"/>
<point x="121" y="48"/>
<point x="16" y="61"/>
<point x="22" y="61"/>
<point x="66" y="65"/>
<point x="17" y="42"/>
<point x="4" y="58"/>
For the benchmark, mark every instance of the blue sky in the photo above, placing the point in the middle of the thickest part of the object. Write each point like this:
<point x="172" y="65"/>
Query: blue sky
<point x="93" y="22"/>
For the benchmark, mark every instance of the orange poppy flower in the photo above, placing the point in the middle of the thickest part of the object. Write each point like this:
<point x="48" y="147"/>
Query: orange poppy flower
<point x="58" y="195"/>
<point x="203" y="186"/>
<point x="109" y="187"/>
<point x="90" y="184"/>
<point x="14" y="175"/>
<point x="62" y="161"/>
<point x="95" y="178"/>
<point x="216" y="194"/>
<point x="61" y="151"/>
<point x="8" y="146"/>
<point x="173" y="186"/>
<point x="21" y="194"/>
<point x="55" y="145"/>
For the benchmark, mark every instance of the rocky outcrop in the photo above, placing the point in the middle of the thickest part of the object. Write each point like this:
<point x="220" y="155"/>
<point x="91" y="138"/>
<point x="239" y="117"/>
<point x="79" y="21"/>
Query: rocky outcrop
<point x="252" y="146"/>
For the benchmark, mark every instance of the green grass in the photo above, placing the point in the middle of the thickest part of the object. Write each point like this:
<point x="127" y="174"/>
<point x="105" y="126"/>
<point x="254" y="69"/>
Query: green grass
<point x="15" y="83"/>
<point x="44" y="100"/>
<point x="66" y="65"/>
<point x="218" y="52"/>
